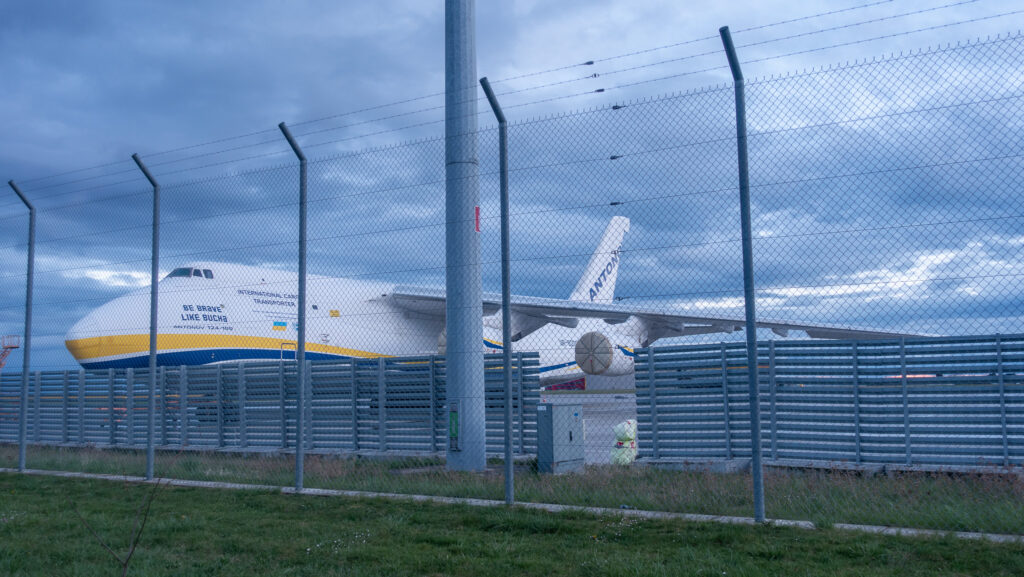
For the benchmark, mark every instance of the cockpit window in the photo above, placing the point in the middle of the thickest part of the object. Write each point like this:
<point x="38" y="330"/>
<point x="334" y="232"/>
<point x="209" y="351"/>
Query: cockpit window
<point x="187" y="272"/>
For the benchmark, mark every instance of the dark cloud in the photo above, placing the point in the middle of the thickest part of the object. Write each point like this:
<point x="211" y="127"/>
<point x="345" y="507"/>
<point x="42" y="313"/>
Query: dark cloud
<point x="898" y="177"/>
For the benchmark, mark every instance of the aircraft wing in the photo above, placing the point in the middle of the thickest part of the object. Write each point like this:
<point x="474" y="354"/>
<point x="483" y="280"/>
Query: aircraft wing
<point x="532" y="313"/>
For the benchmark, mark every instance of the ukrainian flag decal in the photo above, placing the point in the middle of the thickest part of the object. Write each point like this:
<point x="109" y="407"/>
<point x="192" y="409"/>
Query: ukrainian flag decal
<point x="279" y="326"/>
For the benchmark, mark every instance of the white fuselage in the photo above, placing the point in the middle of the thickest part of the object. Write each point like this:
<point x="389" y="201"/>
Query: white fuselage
<point x="236" y="312"/>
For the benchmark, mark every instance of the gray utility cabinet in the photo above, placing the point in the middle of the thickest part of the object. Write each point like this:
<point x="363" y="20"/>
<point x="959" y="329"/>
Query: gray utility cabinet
<point x="560" y="443"/>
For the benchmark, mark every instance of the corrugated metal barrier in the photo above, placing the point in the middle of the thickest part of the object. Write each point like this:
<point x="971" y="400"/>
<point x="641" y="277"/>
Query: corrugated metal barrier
<point x="366" y="405"/>
<point x="956" y="401"/>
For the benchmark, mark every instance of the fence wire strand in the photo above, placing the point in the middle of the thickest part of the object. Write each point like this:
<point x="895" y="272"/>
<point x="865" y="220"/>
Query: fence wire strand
<point x="886" y="221"/>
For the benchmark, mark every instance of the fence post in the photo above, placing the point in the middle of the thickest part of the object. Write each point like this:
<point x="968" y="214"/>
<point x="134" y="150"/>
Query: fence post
<point x="65" y="424"/>
<point x="26" y="355"/>
<point x="748" y="274"/>
<point x="300" y="349"/>
<point x="906" y="396"/>
<point x="81" y="406"/>
<point x="153" y="297"/>
<point x="129" y="406"/>
<point x="654" y="402"/>
<point x="773" y="387"/>
<point x="382" y="413"/>
<point x="183" y="403"/>
<point x="243" y="423"/>
<point x="506" y="285"/>
<point x="725" y="403"/>
<point x="1002" y="400"/>
<point x="856" y="402"/>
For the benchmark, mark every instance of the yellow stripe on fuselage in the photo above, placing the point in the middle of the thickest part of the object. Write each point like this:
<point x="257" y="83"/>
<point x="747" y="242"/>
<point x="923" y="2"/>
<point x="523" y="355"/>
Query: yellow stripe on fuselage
<point x="92" y="348"/>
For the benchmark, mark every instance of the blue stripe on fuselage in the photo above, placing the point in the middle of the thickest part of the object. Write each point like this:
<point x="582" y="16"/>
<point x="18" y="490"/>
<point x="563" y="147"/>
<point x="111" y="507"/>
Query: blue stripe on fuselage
<point x="203" y="357"/>
<point x="556" y="367"/>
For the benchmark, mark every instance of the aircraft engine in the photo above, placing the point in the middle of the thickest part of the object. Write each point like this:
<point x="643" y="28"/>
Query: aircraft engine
<point x="596" y="355"/>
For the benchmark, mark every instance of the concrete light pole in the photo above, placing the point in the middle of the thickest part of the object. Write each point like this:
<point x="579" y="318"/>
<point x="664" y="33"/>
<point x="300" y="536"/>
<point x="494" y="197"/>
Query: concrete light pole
<point x="464" y="331"/>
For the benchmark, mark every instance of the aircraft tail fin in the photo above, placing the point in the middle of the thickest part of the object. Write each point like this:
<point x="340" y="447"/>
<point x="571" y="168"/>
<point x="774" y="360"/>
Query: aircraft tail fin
<point x="598" y="281"/>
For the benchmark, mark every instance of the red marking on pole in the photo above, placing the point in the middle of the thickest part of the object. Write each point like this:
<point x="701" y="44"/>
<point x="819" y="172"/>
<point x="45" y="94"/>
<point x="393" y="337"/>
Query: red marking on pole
<point x="477" y="210"/>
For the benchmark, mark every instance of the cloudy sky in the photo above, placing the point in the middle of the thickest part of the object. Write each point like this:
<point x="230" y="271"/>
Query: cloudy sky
<point x="853" y="185"/>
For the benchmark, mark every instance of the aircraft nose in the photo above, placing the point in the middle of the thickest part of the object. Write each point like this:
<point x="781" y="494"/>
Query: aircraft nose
<point x="110" y="332"/>
<point x="82" y="339"/>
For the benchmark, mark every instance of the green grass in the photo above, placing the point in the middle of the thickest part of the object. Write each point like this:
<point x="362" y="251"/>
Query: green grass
<point x="950" y="502"/>
<point x="221" y="532"/>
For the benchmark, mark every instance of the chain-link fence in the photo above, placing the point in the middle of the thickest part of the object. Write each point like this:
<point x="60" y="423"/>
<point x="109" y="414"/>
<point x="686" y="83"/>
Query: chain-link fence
<point x="886" y="250"/>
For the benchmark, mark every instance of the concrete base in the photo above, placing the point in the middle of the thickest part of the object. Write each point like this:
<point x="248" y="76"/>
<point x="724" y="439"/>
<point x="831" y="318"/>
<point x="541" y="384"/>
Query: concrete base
<point x="894" y="470"/>
<point x="710" y="466"/>
<point x="863" y="469"/>
<point x="867" y="470"/>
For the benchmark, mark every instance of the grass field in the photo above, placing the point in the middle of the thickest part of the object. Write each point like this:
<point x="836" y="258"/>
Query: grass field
<point x="950" y="502"/>
<point x="222" y="532"/>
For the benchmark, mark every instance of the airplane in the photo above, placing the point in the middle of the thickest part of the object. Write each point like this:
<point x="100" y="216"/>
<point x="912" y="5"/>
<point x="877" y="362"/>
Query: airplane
<point x="212" y="312"/>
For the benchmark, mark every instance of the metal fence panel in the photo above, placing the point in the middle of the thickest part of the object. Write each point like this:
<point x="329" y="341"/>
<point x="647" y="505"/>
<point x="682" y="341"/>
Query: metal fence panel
<point x="914" y="402"/>
<point x="369" y="405"/>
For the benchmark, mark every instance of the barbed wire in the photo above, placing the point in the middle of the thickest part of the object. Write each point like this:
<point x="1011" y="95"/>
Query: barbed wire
<point x="791" y="37"/>
<point x="704" y="142"/>
<point x="887" y="36"/>
<point x="519" y="214"/>
<point x="414" y="99"/>
<point x="284" y="151"/>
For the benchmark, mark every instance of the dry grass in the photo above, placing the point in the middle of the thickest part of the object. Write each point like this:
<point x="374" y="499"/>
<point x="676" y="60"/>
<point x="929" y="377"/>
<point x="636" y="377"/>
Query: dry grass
<point x="945" y="501"/>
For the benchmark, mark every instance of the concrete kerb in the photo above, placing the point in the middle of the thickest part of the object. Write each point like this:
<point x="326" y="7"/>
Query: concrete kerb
<point x="742" y="465"/>
<point x="553" y="508"/>
<point x="724" y="466"/>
